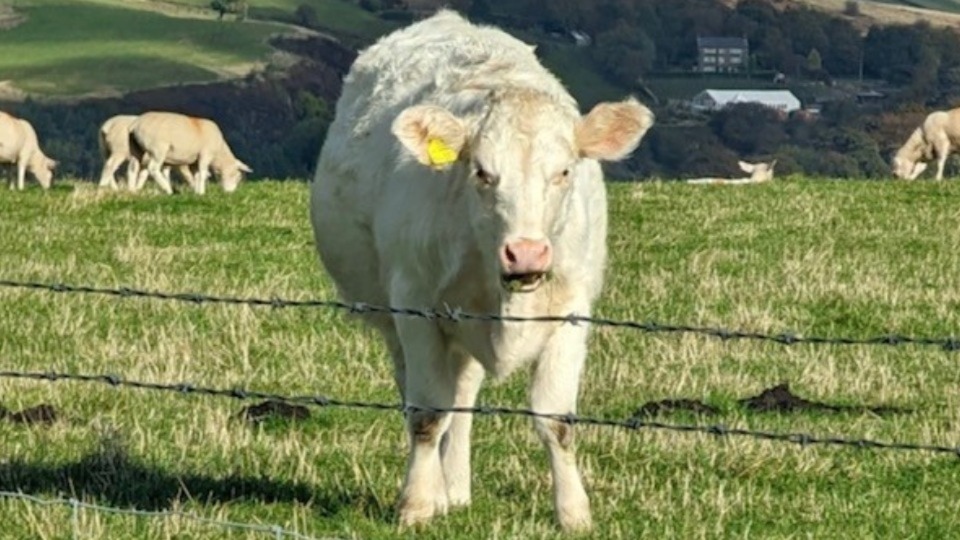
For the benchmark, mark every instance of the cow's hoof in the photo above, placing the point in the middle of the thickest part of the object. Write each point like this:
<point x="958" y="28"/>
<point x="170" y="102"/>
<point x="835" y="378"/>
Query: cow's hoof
<point x="575" y="520"/>
<point x="417" y="512"/>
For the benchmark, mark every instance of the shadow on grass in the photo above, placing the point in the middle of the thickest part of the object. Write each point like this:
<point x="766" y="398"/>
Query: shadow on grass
<point x="111" y="477"/>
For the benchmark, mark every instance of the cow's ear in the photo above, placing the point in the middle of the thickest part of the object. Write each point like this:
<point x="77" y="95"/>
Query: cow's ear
<point x="611" y="131"/>
<point x="244" y="167"/>
<point x="746" y="167"/>
<point x="432" y="134"/>
<point x="52" y="164"/>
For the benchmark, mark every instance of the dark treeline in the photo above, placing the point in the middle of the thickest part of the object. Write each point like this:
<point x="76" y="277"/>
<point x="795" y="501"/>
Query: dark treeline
<point x="275" y="120"/>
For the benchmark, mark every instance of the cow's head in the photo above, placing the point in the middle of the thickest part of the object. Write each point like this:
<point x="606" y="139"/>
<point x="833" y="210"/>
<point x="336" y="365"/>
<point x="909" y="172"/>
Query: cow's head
<point x="907" y="169"/>
<point x="519" y="159"/>
<point x="232" y="173"/>
<point x="759" y="172"/>
<point x="42" y="168"/>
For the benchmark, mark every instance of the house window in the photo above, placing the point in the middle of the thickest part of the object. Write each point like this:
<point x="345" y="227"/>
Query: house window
<point x="710" y="50"/>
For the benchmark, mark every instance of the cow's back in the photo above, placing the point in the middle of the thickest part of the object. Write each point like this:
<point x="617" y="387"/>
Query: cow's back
<point x="182" y="138"/>
<point x="12" y="138"/>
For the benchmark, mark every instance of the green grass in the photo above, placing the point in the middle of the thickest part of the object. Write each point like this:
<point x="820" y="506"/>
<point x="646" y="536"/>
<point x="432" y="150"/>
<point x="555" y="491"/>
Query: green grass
<point x="814" y="257"/>
<point x="91" y="46"/>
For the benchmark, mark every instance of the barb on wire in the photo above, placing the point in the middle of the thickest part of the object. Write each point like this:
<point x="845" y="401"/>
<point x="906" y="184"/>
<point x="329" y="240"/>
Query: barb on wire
<point x="632" y="424"/>
<point x="456" y="315"/>
<point x="76" y="505"/>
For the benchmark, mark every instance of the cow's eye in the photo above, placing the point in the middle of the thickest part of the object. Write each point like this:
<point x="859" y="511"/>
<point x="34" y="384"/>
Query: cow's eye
<point x="485" y="177"/>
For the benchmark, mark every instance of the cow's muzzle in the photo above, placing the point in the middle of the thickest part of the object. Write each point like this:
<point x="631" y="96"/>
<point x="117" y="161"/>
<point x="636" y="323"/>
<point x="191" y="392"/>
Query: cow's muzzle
<point x="525" y="264"/>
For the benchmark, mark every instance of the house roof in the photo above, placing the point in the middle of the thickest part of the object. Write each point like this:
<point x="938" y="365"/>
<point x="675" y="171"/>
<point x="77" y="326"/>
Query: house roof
<point x="722" y="42"/>
<point x="721" y="97"/>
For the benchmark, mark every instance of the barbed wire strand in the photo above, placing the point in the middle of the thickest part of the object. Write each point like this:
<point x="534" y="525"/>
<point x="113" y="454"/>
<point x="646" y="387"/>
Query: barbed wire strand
<point x="77" y="505"/>
<point x="633" y="424"/>
<point x="453" y="314"/>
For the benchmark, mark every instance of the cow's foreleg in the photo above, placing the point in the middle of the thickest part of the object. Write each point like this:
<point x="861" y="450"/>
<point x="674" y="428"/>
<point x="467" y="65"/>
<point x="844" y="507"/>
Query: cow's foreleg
<point x="21" y="173"/>
<point x="155" y="169"/>
<point x="943" y="152"/>
<point x="187" y="175"/>
<point x="556" y="380"/>
<point x="429" y="384"/>
<point x="203" y="173"/>
<point x="455" y="444"/>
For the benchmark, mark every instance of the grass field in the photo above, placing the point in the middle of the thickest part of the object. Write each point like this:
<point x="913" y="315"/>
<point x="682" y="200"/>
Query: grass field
<point x="98" y="46"/>
<point x="814" y="257"/>
<point x="339" y="16"/>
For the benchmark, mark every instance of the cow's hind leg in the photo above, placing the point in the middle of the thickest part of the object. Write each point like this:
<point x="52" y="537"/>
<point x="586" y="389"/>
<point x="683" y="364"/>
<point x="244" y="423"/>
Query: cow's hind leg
<point x="110" y="167"/>
<point x="556" y="379"/>
<point x="455" y="444"/>
<point x="429" y="385"/>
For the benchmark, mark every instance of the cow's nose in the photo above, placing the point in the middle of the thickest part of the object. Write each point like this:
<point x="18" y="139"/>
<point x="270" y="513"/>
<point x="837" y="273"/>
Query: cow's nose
<point x="526" y="256"/>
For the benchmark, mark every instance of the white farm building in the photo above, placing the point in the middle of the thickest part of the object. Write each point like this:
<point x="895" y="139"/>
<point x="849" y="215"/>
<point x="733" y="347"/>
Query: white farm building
<point x="714" y="100"/>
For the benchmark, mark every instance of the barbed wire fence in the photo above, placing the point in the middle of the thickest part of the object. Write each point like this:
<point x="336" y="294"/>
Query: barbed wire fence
<point x="633" y="423"/>
<point x="77" y="506"/>
<point x="455" y="315"/>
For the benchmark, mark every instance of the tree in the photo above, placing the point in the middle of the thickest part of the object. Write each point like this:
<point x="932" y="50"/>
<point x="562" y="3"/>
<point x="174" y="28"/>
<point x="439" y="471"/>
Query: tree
<point x="749" y="128"/>
<point x="814" y="62"/>
<point x="624" y="53"/>
<point x="306" y="15"/>
<point x="234" y="7"/>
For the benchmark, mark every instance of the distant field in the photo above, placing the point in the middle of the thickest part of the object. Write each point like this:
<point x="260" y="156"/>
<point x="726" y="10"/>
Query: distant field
<point x="939" y="5"/>
<point x="825" y="257"/>
<point x="90" y="46"/>
<point x="341" y="16"/>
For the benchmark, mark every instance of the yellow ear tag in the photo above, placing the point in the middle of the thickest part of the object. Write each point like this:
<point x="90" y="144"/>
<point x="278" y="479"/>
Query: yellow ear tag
<point x="439" y="153"/>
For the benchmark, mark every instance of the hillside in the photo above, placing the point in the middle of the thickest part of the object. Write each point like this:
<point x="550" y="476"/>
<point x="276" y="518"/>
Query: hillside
<point x="51" y="47"/>
<point x="935" y="12"/>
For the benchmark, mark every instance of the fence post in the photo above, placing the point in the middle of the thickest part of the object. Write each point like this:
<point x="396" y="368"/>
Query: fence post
<point x="75" y="518"/>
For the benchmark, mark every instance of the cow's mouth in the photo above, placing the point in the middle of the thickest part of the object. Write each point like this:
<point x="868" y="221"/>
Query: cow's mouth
<point x="521" y="283"/>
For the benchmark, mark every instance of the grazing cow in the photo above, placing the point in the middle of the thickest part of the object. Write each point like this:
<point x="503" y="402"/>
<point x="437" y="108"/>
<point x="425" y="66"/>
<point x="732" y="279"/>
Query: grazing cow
<point x="177" y="139"/>
<point x="935" y="138"/>
<point x="759" y="173"/>
<point x="459" y="172"/>
<point x="115" y="148"/>
<point x="19" y="145"/>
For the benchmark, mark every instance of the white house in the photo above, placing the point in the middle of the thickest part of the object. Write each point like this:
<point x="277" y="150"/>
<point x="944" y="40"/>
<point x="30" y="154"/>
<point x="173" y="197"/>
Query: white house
<point x="714" y="100"/>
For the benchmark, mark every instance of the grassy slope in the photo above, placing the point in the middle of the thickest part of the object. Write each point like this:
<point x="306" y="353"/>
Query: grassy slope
<point x="833" y="258"/>
<point x="339" y="16"/>
<point x="85" y="46"/>
<point x="937" y="5"/>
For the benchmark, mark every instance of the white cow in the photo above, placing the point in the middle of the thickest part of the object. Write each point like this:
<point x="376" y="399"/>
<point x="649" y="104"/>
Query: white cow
<point x="19" y="145"/>
<point x="459" y="172"/>
<point x="115" y="148"/>
<point x="935" y="138"/>
<point x="759" y="173"/>
<point x="167" y="138"/>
